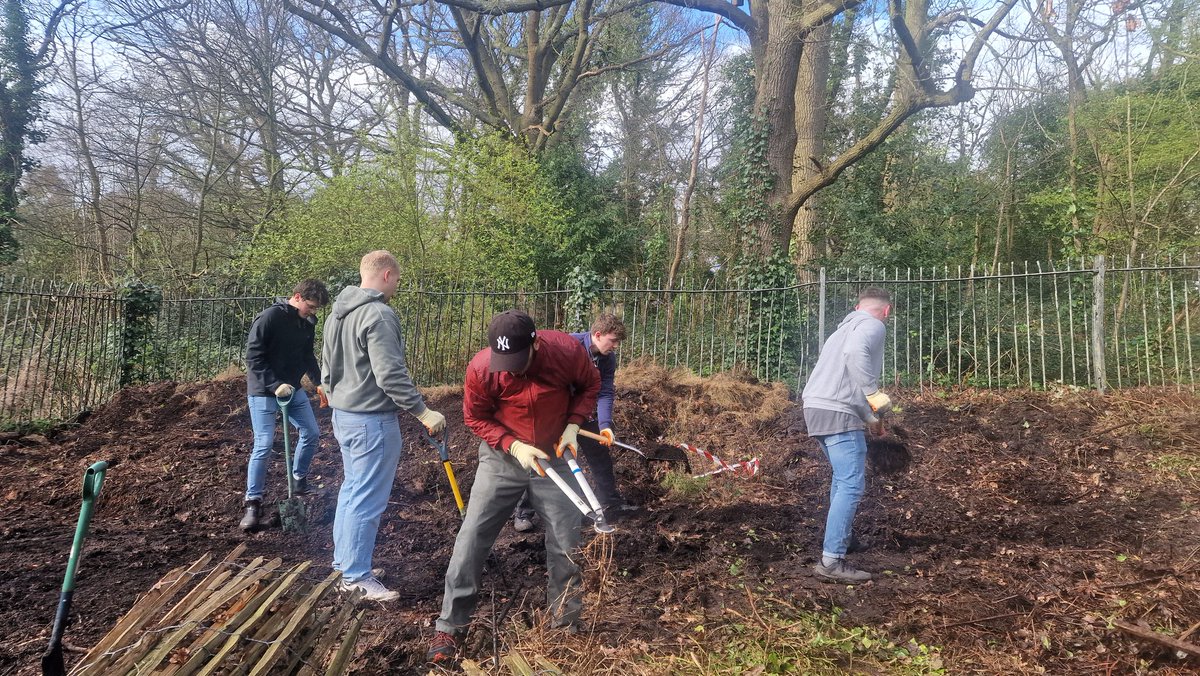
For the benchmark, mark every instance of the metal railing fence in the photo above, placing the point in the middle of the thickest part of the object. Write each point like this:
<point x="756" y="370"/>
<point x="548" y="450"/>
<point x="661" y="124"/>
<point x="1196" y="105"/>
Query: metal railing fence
<point x="55" y="346"/>
<point x="1081" y="323"/>
<point x="1078" y="323"/>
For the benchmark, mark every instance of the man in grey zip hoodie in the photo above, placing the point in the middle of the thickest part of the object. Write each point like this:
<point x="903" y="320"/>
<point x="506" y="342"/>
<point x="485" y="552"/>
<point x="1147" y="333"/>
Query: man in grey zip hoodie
<point x="366" y="380"/>
<point x="841" y="399"/>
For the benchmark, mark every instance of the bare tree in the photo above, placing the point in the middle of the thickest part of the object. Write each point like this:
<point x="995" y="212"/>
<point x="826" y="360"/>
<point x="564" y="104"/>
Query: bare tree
<point x="512" y="65"/>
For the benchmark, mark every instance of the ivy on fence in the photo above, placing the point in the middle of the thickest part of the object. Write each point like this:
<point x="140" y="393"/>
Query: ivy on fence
<point x="142" y="303"/>
<point x="583" y="288"/>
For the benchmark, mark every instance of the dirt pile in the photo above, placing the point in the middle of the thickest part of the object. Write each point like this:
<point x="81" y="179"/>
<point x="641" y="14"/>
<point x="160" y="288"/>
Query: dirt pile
<point x="1024" y="523"/>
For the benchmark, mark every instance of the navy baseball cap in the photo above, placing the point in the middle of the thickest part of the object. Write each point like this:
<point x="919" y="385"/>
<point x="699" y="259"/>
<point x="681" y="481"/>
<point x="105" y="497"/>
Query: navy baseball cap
<point x="510" y="336"/>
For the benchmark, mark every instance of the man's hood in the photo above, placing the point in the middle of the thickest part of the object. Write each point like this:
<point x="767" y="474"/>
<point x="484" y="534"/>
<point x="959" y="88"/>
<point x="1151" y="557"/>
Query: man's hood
<point x="857" y="317"/>
<point x="352" y="298"/>
<point x="282" y="302"/>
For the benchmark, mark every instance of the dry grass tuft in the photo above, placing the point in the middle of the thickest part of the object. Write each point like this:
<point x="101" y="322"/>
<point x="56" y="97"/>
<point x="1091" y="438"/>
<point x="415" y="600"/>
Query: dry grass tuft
<point x="440" y="391"/>
<point x="234" y="372"/>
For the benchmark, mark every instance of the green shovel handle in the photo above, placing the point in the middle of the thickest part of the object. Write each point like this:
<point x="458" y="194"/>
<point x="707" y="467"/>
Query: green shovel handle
<point x="287" y="453"/>
<point x="93" y="479"/>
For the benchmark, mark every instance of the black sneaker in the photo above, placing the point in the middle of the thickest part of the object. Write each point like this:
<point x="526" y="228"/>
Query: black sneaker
<point x="442" y="649"/>
<point x="840" y="571"/>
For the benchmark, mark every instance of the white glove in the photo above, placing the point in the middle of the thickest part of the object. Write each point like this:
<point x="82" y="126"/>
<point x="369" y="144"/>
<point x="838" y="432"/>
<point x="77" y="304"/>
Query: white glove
<point x="284" y="391"/>
<point x="527" y="455"/>
<point x="569" y="439"/>
<point x="879" y="401"/>
<point x="432" y="420"/>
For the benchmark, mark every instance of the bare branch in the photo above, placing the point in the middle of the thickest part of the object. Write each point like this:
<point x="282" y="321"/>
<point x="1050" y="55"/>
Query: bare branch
<point x="499" y="7"/>
<point x="826" y="11"/>
<point x="725" y="9"/>
<point x="388" y="66"/>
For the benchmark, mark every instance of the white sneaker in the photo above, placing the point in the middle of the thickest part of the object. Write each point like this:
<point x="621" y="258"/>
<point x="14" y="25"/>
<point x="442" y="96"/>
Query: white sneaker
<point x="371" y="589"/>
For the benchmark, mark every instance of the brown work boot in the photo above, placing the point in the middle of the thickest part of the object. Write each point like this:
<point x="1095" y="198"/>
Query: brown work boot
<point x="442" y="649"/>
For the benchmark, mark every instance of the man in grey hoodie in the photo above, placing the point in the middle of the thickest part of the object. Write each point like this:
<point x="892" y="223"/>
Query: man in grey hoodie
<point x="841" y="399"/>
<point x="366" y="380"/>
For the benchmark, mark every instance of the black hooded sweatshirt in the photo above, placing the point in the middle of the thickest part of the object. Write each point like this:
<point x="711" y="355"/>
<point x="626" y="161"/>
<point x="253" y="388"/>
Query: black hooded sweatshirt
<point x="279" y="349"/>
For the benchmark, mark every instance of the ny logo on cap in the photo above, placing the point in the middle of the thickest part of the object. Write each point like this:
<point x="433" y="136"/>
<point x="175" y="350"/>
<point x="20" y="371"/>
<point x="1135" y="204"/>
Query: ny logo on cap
<point x="502" y="343"/>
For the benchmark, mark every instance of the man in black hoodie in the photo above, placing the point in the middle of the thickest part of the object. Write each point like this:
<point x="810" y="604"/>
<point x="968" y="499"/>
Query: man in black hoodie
<point x="279" y="352"/>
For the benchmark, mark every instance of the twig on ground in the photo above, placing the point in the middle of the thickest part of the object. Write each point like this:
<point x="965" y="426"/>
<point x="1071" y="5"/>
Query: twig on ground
<point x="984" y="619"/>
<point x="1163" y="639"/>
<point x="1093" y="435"/>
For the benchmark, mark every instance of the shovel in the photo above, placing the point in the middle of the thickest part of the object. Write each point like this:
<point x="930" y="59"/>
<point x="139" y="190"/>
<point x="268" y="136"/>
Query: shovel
<point x="886" y="453"/>
<point x="443" y="448"/>
<point x="602" y="440"/>
<point x="93" y="478"/>
<point x="292" y="512"/>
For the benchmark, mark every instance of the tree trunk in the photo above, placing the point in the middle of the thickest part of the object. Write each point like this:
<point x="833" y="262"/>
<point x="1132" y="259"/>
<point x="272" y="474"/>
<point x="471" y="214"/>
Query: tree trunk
<point x="775" y="101"/>
<point x="811" y="100"/>
<point x="697" y="140"/>
<point x="92" y="202"/>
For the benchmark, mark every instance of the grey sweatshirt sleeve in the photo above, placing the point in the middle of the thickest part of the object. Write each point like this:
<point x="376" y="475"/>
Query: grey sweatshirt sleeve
<point x="863" y="352"/>
<point x="385" y="347"/>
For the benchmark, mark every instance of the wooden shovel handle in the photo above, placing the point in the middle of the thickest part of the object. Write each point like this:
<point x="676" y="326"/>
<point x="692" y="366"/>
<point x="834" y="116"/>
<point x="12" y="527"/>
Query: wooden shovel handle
<point x="592" y="435"/>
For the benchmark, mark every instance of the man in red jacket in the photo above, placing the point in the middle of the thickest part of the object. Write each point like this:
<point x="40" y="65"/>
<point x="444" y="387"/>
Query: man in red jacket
<point x="525" y="394"/>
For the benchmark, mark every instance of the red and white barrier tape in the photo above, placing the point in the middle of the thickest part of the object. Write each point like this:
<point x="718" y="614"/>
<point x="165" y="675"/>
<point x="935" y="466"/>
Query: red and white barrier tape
<point x="749" y="467"/>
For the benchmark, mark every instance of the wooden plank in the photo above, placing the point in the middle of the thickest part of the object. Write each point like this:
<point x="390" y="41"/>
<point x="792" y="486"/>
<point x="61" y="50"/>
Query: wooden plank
<point x="327" y="638"/>
<point x="219" y="599"/>
<point x="301" y="612"/>
<point x="218" y="574"/>
<point x="517" y="664"/>
<point x="249" y="616"/>
<point x="253" y="576"/>
<point x="216" y="577"/>
<point x="213" y="624"/>
<point x="303" y="645"/>
<point x="201" y="649"/>
<point x="337" y="666"/>
<point x="142" y="611"/>
<point x="258" y="643"/>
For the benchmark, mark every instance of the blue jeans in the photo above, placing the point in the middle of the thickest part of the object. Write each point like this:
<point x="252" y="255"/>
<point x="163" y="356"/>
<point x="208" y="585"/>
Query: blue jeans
<point x="371" y="446"/>
<point x="847" y="453"/>
<point x="262" y="419"/>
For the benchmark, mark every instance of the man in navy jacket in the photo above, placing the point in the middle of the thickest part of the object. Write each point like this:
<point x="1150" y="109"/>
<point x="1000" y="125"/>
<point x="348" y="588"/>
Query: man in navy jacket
<point x="279" y="352"/>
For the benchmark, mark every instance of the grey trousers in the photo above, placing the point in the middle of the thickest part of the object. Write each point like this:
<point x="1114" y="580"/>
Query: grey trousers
<point x="499" y="483"/>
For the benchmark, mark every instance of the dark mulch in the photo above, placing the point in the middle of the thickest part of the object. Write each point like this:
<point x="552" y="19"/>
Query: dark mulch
<point x="1009" y="530"/>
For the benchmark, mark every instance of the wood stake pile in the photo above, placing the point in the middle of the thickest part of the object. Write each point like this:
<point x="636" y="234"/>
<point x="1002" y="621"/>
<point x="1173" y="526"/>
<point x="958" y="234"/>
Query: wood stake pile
<point x="251" y="618"/>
